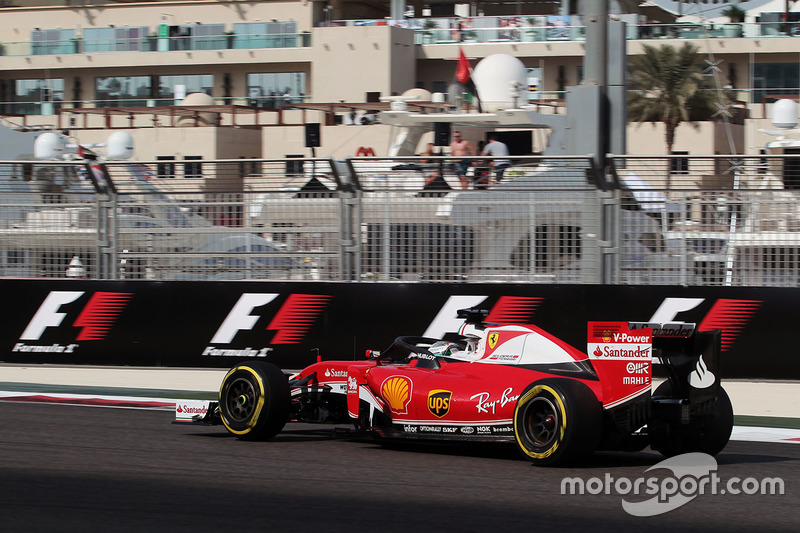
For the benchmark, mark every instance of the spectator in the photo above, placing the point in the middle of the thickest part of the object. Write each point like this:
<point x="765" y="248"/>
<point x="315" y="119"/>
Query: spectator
<point x="461" y="148"/>
<point x="496" y="148"/>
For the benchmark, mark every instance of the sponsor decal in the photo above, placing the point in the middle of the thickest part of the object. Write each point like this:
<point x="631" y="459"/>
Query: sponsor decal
<point x="439" y="402"/>
<point x="615" y="352"/>
<point x="701" y="377"/>
<point x="291" y="323"/>
<point x="638" y="368"/>
<point x="510" y="358"/>
<point x="244" y="352"/>
<point x="352" y="384"/>
<point x="468" y="430"/>
<point x="492" y="340"/>
<point x="635" y="380"/>
<point x="95" y="319"/>
<point x="186" y="410"/>
<point x="397" y="391"/>
<point x="485" y="403"/>
<point x="333" y="373"/>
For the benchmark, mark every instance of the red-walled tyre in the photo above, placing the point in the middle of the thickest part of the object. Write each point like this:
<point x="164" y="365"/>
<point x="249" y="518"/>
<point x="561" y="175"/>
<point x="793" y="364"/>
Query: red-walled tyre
<point x="254" y="400"/>
<point x="556" y="421"/>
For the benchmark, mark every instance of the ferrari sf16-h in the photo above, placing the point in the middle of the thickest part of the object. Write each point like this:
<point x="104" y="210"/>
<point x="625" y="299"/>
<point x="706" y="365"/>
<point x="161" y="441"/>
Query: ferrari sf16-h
<point x="503" y="383"/>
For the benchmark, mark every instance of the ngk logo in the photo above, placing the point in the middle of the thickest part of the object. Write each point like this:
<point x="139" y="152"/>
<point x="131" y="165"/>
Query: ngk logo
<point x="95" y="318"/>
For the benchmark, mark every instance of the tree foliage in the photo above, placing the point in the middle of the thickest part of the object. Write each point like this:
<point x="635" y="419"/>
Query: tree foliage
<point x="666" y="84"/>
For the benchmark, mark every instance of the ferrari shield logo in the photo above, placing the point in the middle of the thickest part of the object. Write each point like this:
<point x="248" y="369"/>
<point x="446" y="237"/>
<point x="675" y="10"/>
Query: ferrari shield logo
<point x="493" y="338"/>
<point x="439" y="402"/>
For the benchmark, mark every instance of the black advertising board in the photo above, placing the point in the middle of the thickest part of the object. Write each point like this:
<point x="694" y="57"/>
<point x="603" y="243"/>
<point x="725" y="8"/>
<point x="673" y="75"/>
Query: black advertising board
<point x="215" y="324"/>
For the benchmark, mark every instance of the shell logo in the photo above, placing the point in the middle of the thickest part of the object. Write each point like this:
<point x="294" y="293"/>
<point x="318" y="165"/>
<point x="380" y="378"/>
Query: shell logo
<point x="493" y="338"/>
<point x="397" y="391"/>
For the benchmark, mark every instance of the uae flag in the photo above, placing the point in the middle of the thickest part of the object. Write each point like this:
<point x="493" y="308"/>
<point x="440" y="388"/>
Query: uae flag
<point x="464" y="78"/>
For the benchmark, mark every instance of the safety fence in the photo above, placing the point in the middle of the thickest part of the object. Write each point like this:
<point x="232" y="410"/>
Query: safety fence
<point x="715" y="220"/>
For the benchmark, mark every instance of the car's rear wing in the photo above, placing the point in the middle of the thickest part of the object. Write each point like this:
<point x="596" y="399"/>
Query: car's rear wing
<point x="666" y="329"/>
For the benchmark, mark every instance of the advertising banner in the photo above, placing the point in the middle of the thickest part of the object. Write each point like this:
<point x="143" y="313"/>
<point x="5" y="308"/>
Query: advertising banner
<point x="216" y="324"/>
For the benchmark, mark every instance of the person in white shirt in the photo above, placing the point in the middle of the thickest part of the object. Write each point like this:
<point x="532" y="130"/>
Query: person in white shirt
<point x="497" y="149"/>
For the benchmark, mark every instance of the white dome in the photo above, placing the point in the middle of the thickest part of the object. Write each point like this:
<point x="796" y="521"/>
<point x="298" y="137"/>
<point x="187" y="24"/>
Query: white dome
<point x="501" y="79"/>
<point x="205" y="119"/>
<point x="784" y="113"/>
<point x="49" y="145"/>
<point x="423" y="95"/>
<point x="119" y="146"/>
<point x="197" y="99"/>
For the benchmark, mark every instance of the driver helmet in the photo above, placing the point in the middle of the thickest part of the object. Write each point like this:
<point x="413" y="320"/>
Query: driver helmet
<point x="443" y="348"/>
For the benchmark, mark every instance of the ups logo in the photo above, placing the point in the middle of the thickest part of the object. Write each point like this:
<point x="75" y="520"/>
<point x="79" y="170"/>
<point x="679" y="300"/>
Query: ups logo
<point x="439" y="402"/>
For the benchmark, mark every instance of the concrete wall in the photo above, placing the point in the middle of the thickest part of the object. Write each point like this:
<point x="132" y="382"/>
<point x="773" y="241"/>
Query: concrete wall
<point x="351" y="61"/>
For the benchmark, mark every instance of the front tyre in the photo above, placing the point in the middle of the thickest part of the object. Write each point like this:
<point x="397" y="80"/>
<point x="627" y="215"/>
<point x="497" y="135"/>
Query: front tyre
<point x="557" y="420"/>
<point x="254" y="400"/>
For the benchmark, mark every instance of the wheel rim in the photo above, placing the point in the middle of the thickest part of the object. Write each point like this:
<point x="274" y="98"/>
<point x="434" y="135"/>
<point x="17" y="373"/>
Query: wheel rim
<point x="241" y="399"/>
<point x="541" y="422"/>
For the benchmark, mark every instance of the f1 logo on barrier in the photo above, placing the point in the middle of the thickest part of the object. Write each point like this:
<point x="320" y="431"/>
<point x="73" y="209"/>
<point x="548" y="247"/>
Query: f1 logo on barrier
<point x="290" y="323"/>
<point x="95" y="319"/>
<point x="728" y="315"/>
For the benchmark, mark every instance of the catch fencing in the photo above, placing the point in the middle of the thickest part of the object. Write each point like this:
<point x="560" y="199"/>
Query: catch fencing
<point x="716" y="220"/>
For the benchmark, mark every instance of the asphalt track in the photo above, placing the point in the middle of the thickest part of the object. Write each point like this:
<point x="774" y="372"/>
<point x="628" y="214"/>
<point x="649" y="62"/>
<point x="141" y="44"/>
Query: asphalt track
<point x="77" y="468"/>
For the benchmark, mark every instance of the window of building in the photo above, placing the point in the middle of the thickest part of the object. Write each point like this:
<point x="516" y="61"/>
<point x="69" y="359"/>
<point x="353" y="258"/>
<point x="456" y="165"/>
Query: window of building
<point x="37" y="97"/>
<point x="114" y="39"/>
<point x="166" y="166"/>
<point x="679" y="165"/>
<point x="775" y="80"/>
<point x="270" y="90"/>
<point x="265" y="35"/>
<point x="122" y="91"/>
<point x="192" y="167"/>
<point x="192" y="83"/>
<point x="45" y="42"/>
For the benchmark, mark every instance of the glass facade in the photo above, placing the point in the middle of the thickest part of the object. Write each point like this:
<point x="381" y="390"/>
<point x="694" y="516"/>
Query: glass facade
<point x="113" y="39"/>
<point x="772" y="81"/>
<point x="265" y="35"/>
<point x="141" y="91"/>
<point x="270" y="90"/>
<point x="123" y="91"/>
<point x="45" y="42"/>
<point x="37" y="97"/>
<point x="169" y="86"/>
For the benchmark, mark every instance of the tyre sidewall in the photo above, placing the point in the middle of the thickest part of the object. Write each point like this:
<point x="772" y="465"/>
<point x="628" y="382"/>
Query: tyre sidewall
<point x="525" y="442"/>
<point x="578" y="421"/>
<point x="271" y="411"/>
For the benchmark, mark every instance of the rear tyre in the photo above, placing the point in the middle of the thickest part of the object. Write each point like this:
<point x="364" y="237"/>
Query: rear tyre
<point x="254" y="400"/>
<point x="708" y="433"/>
<point x="556" y="421"/>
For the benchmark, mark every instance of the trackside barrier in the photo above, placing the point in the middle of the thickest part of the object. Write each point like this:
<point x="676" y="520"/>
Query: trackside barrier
<point x="699" y="221"/>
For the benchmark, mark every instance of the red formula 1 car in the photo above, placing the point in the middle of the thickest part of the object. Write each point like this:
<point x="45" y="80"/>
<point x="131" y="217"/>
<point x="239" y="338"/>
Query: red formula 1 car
<point x="504" y="383"/>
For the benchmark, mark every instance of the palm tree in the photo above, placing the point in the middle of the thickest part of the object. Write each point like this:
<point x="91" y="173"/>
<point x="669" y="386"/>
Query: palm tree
<point x="666" y="85"/>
